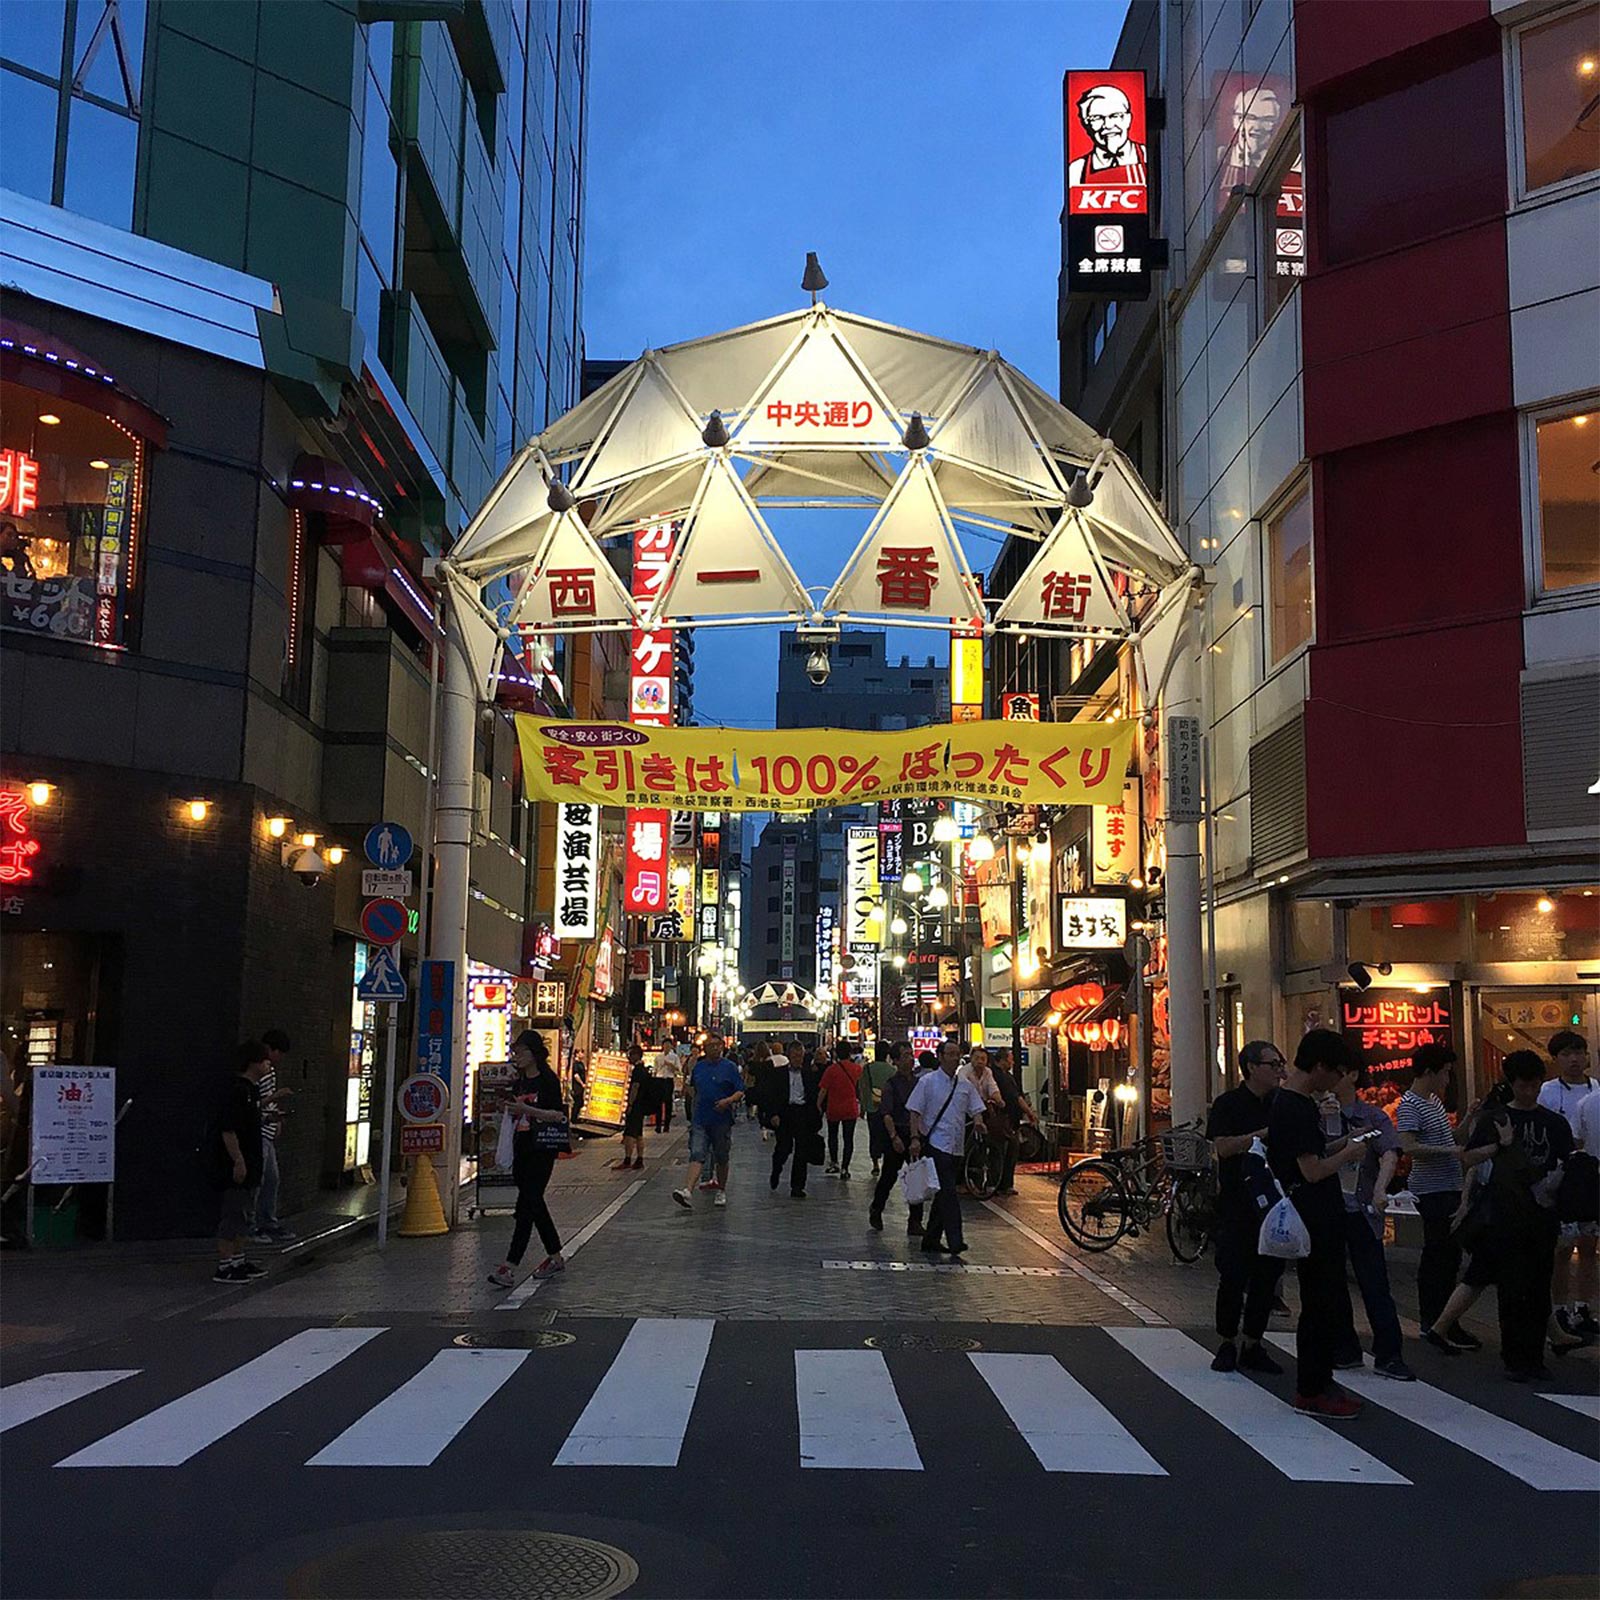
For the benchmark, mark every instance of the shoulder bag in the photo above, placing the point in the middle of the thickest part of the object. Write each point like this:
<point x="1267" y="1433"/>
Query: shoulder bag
<point x="919" y="1180"/>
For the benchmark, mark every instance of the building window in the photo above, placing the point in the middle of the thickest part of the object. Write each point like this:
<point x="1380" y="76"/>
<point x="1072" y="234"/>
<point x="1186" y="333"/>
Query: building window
<point x="1283" y="227"/>
<point x="71" y="486"/>
<point x="1566" y="499"/>
<point x="1558" y="83"/>
<point x="1289" y="577"/>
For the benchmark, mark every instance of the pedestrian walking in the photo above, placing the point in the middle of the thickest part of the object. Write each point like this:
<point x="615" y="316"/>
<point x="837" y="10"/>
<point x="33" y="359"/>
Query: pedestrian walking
<point x="535" y="1100"/>
<point x="1306" y="1162"/>
<point x="841" y="1105"/>
<point x="665" y="1086"/>
<point x="236" y="1156"/>
<point x="1366" y="1201"/>
<point x="1437" y="1174"/>
<point x="1574" y="1282"/>
<point x="894" y="1121"/>
<point x="580" y="1086"/>
<point x="1247" y="1281"/>
<point x="718" y="1087"/>
<point x="789" y="1108"/>
<point x="939" y="1107"/>
<point x="266" y="1225"/>
<point x="639" y="1081"/>
<point x="1016" y="1110"/>
<point x="874" y="1075"/>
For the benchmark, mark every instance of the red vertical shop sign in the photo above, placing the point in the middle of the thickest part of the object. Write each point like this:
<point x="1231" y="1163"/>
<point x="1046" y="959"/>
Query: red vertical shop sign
<point x="645" y="861"/>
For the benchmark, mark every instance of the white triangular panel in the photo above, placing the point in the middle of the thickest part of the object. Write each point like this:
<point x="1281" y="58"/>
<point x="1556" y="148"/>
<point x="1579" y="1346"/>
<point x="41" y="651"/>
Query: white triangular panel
<point x="909" y="562"/>
<point x="652" y="428"/>
<point x="470" y="632"/>
<point x="1158" y="641"/>
<point x="725" y="372"/>
<point x="728" y="563"/>
<point x="989" y="430"/>
<point x="657" y="497"/>
<point x="819" y="396"/>
<point x="975" y="494"/>
<point x="1065" y="585"/>
<point x="1122" y="502"/>
<point x="818" y="475"/>
<point x="515" y="501"/>
<point x="915" y="372"/>
<point x="1053" y="425"/>
<point x="571" y="584"/>
<point x="572" y="434"/>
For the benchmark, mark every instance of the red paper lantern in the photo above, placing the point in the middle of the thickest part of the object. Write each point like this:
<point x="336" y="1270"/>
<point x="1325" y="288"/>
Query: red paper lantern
<point x="1092" y="993"/>
<point x="1091" y="1035"/>
<point x="1111" y="1032"/>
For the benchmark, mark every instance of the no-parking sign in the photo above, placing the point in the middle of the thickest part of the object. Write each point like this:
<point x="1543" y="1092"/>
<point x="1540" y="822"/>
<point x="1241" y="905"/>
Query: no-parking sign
<point x="422" y="1098"/>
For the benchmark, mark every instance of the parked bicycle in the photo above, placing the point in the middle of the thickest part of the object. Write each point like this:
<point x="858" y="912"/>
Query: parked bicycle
<point x="1125" y="1190"/>
<point x="983" y="1162"/>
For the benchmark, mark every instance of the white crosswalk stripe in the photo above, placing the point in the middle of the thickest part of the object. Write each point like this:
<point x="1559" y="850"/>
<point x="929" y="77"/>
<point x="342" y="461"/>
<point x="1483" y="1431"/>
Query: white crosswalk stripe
<point x="169" y="1436"/>
<point x="852" y="1409"/>
<point x="850" y="1415"/>
<point x="414" y="1424"/>
<point x="1502" y="1444"/>
<point x="640" y="1413"/>
<point x="34" y="1397"/>
<point x="1297" y="1446"/>
<point x="1064" y="1425"/>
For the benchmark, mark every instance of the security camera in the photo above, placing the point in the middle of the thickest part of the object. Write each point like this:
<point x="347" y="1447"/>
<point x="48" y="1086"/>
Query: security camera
<point x="308" y="866"/>
<point x="819" y="663"/>
<point x="818" y="666"/>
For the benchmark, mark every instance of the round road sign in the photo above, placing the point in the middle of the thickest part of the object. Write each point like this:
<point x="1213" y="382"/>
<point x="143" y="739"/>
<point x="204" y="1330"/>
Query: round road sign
<point x="422" y="1098"/>
<point x="388" y="845"/>
<point x="383" y="921"/>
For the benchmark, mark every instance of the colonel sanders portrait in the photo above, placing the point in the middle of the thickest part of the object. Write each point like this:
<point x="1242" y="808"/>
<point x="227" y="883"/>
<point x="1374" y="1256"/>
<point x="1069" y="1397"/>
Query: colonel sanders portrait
<point x="1107" y="117"/>
<point x="1255" y="113"/>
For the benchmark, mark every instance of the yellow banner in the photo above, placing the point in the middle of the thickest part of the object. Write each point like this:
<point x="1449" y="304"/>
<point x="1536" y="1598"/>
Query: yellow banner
<point x="803" y="769"/>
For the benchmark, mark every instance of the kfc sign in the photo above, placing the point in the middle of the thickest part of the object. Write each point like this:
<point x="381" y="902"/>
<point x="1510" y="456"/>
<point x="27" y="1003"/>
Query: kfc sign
<point x="1108" y="185"/>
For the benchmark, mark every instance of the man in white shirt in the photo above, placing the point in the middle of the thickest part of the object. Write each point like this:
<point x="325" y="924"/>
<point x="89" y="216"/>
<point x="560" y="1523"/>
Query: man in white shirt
<point x="939" y="1108"/>
<point x="977" y="1073"/>
<point x="1566" y="1094"/>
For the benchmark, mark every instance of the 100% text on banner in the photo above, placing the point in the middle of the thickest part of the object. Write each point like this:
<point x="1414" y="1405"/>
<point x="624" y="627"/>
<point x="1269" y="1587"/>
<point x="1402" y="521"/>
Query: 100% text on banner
<point x="801" y="769"/>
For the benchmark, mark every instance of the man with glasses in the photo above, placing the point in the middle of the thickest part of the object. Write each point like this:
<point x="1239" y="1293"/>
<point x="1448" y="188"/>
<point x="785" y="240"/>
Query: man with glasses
<point x="1247" y="1281"/>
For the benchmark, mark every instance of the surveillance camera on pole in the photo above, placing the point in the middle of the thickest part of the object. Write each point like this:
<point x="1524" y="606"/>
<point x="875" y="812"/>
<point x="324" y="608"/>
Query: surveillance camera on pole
<point x="821" y="638"/>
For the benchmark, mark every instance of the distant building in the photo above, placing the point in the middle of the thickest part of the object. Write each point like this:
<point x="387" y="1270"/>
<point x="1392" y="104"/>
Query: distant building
<point x="864" y="690"/>
<point x="780" y="907"/>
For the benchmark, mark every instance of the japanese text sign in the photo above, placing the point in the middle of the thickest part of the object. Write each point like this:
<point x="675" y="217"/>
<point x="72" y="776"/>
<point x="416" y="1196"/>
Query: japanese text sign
<point x="1108" y="185"/>
<point x="733" y="769"/>
<point x="436" y="1015"/>
<point x="19" y="483"/>
<point x="1116" y="838"/>
<point x="1390" y="1025"/>
<point x="645" y="862"/>
<point x="1093" y="924"/>
<point x="74" y="1124"/>
<point x="577" y="871"/>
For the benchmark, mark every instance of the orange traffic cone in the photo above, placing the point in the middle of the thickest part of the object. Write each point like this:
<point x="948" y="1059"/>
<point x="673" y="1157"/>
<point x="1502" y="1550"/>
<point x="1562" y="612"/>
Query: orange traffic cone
<point x="424" y="1214"/>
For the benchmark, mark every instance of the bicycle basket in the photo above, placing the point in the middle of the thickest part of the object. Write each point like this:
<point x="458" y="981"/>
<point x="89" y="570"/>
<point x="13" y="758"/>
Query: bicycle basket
<point x="1186" y="1150"/>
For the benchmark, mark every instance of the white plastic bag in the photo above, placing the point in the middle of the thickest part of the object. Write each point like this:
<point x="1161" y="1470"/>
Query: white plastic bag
<point x="1283" y="1233"/>
<point x="504" y="1149"/>
<point x="919" y="1181"/>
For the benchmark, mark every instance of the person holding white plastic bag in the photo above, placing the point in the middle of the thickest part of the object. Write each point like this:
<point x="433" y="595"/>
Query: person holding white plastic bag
<point x="938" y="1110"/>
<point x="895" y="1133"/>
<point x="1301" y="1160"/>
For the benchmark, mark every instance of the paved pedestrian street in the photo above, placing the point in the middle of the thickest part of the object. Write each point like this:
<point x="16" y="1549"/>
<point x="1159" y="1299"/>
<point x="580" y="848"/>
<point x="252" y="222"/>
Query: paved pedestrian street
<point x="764" y="1399"/>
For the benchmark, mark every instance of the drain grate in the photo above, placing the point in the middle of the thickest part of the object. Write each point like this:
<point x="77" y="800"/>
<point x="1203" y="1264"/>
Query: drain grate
<point x="515" y="1339"/>
<point x="920" y="1341"/>
<point x="487" y="1563"/>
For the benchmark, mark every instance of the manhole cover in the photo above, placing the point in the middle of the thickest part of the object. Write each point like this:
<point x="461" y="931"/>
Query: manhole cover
<point x="920" y="1341"/>
<point x="486" y="1563"/>
<point x="515" y="1339"/>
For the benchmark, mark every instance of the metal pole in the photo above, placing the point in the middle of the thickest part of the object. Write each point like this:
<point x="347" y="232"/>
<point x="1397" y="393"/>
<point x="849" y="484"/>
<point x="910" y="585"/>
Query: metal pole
<point x="425" y="865"/>
<point x="1185" y="980"/>
<point x="390" y="1112"/>
<point x="1219" y="1032"/>
<point x="1016" y="948"/>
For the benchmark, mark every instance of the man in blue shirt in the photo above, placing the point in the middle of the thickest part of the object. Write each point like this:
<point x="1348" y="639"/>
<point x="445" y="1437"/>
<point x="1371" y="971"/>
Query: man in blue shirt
<point x="718" y="1087"/>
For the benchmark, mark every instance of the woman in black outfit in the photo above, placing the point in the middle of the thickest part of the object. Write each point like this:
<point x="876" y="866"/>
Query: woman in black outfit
<point x="534" y="1097"/>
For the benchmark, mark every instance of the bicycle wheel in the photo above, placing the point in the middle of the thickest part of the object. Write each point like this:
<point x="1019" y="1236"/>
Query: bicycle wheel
<point x="981" y="1171"/>
<point x="1093" y="1204"/>
<point x="1030" y="1143"/>
<point x="1189" y="1218"/>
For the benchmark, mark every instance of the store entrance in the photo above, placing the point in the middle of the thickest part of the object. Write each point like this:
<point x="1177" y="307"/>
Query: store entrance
<point x="1524" y="1019"/>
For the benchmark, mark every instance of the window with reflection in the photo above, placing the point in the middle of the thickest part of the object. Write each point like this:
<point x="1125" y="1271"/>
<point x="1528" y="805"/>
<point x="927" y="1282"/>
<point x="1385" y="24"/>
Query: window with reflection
<point x="1289" y="577"/>
<point x="1283" y="221"/>
<point x="71" y="492"/>
<point x="1559" y="65"/>
<point x="1567" y="498"/>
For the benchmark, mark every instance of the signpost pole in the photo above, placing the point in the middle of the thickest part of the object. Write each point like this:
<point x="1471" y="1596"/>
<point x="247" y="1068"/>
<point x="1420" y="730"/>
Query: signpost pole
<point x="389" y="1115"/>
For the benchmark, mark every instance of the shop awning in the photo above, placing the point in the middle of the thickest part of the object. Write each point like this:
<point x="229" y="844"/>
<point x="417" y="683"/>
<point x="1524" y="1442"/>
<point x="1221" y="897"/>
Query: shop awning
<point x="48" y="365"/>
<point x="373" y="562"/>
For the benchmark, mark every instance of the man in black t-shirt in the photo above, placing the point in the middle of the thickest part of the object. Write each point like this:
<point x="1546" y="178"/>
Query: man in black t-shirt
<point x="1306" y="1158"/>
<point x="237" y="1159"/>
<point x="1246" y="1281"/>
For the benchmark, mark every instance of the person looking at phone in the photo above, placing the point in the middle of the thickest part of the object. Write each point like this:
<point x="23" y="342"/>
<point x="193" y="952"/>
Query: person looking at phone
<point x="1366" y="1200"/>
<point x="1307" y="1163"/>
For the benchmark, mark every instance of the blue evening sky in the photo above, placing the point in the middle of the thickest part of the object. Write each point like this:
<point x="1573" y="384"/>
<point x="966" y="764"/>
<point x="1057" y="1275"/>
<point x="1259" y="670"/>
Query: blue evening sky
<point x="914" y="145"/>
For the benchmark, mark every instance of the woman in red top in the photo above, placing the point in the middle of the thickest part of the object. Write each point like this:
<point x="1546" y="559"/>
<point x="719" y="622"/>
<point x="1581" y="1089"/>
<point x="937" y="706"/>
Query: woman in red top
<point x="841" y="1105"/>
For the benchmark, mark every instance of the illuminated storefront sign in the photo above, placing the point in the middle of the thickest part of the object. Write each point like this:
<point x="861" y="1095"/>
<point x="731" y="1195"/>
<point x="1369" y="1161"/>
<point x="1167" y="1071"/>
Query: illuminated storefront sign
<point x="1019" y="708"/>
<point x="862" y="933"/>
<point x="790" y="873"/>
<point x="1389" y="1026"/>
<point x="1289" y="225"/>
<point x="19" y="483"/>
<point x="1108" y="185"/>
<point x="1115" y="831"/>
<point x="827" y="928"/>
<point x="645" y="877"/>
<point x="1093" y="924"/>
<point x="577" y="871"/>
<point x="18" y="847"/>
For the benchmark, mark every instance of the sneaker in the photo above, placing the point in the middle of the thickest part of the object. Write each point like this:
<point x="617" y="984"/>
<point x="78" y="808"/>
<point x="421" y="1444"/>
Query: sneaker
<point x="282" y="1235"/>
<point x="1335" y="1406"/>
<point x="1396" y="1369"/>
<point x="1254" y="1359"/>
<point x="709" y="1185"/>
<point x="957" y="1250"/>
<point x="721" y="1199"/>
<point x="503" y="1278"/>
<point x="1444" y="1344"/>
<point x="638" y="1165"/>
<point x="831" y="1169"/>
<point x="550" y="1266"/>
<point x="1004" y="1194"/>
<point x="682" y="1197"/>
<point x="797" y="1194"/>
<point x="228" y="1272"/>
<point x="251" y="1269"/>
<point x="875" y="1221"/>
<point x="1349" y="1364"/>
<point x="1460" y="1339"/>
<point x="844" y="1172"/>
<point x="1567" y="1321"/>
<point x="1227" y="1357"/>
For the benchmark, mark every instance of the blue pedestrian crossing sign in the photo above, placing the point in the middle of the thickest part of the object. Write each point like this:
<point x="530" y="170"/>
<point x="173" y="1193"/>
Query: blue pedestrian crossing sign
<point x="388" y="845"/>
<point x="382" y="982"/>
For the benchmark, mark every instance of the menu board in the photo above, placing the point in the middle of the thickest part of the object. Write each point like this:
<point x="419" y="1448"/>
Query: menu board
<point x="74" y="1124"/>
<point x="607" y="1098"/>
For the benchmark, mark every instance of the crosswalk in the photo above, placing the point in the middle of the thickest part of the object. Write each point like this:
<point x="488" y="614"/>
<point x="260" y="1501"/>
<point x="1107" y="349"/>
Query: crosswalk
<point x="1107" y="1407"/>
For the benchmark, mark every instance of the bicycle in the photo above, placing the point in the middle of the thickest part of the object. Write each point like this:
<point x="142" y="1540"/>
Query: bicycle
<point x="982" y="1162"/>
<point x="1126" y="1189"/>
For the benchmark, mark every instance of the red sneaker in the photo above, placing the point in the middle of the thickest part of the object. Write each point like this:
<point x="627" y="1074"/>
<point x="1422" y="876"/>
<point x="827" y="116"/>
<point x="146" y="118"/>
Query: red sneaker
<point x="711" y="1184"/>
<point x="1335" y="1406"/>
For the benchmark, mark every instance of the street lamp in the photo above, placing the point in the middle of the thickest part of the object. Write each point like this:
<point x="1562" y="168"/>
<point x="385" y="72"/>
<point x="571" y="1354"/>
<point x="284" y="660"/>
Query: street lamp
<point x="912" y="883"/>
<point x="938" y="899"/>
<point x="981" y="848"/>
<point x="945" y="829"/>
<point x="898" y="927"/>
